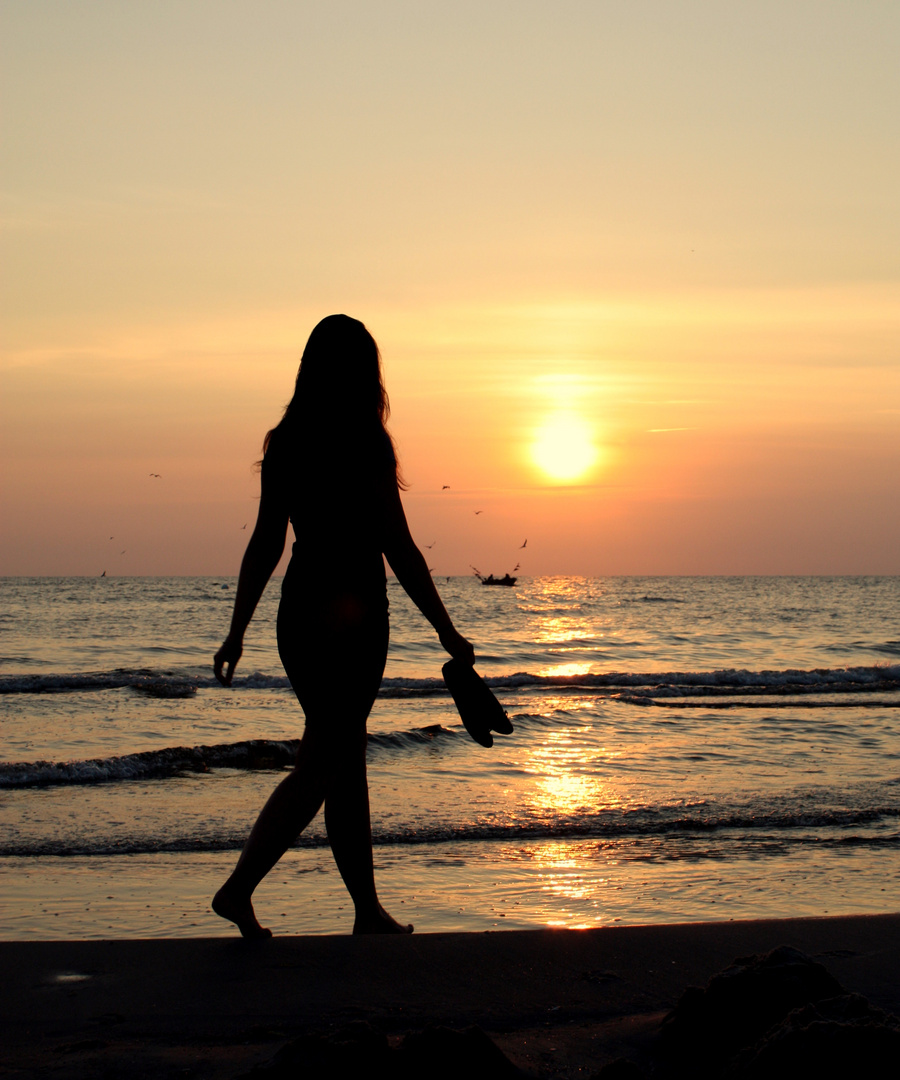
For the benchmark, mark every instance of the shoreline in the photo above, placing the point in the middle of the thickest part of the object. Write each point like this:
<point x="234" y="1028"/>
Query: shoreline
<point x="521" y="886"/>
<point x="557" y="1002"/>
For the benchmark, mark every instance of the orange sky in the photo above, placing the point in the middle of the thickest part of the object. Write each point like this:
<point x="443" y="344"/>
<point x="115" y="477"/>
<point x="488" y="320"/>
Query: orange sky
<point x="658" y="239"/>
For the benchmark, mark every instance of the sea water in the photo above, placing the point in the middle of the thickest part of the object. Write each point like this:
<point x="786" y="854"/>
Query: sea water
<point x="684" y="749"/>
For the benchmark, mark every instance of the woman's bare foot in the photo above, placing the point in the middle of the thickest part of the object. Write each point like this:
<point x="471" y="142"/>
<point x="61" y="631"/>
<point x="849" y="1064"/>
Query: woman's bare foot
<point x="380" y="923"/>
<point x="241" y="914"/>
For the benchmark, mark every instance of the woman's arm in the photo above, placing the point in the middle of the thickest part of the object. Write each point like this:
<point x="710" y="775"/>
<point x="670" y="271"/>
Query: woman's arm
<point x="259" y="562"/>
<point x="412" y="572"/>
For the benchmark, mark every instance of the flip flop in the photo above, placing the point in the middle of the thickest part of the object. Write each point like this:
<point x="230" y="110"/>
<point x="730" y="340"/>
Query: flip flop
<point x="479" y="710"/>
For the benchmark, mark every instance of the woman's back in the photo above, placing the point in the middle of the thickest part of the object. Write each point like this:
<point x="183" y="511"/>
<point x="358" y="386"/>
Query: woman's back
<point x="334" y="488"/>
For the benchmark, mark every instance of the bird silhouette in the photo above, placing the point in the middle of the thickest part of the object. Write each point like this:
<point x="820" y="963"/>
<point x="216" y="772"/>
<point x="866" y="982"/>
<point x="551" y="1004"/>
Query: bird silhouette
<point x="446" y="487"/>
<point x="431" y="545"/>
<point x="157" y="475"/>
<point x="244" y="526"/>
<point x="477" y="512"/>
<point x="522" y="545"/>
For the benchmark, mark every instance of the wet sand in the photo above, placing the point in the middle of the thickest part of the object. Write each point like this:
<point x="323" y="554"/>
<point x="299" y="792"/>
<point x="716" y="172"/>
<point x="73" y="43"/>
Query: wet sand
<point x="559" y="1003"/>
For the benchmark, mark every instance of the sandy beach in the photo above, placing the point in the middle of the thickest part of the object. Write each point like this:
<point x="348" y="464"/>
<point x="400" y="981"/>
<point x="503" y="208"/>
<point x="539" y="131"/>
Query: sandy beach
<point x="557" y="1003"/>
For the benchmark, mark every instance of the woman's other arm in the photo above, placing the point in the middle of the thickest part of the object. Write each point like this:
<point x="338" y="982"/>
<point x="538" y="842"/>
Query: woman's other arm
<point x="259" y="562"/>
<point x="412" y="572"/>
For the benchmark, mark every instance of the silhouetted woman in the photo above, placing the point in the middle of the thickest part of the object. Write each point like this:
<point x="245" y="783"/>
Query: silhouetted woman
<point x="330" y="469"/>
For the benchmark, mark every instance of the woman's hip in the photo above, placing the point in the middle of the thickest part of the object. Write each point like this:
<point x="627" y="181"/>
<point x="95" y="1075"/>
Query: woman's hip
<point x="333" y="652"/>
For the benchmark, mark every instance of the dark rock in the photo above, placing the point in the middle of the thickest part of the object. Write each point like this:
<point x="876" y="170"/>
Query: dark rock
<point x="108" y="1019"/>
<point x="841" y="1038"/>
<point x="441" y="1053"/>
<point x="261" y="1033"/>
<point x="739" y="1005"/>
<point x="620" y="1069"/>
<point x="354" y="1050"/>
<point x="81" y="1046"/>
<point x="600" y="978"/>
<point x="358" y="1050"/>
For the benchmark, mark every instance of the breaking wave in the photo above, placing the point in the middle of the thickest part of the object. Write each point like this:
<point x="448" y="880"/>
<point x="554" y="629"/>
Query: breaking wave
<point x="758" y="831"/>
<point x="879" y="677"/>
<point x="171" y="761"/>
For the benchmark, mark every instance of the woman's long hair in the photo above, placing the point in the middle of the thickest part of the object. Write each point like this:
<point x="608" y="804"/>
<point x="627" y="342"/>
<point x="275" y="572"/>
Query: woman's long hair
<point x="339" y="403"/>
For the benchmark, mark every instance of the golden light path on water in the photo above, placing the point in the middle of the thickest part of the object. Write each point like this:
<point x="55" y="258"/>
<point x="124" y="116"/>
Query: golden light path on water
<point x="574" y="668"/>
<point x="562" y="877"/>
<point x="562" y="629"/>
<point x="569" y="782"/>
<point x="566" y="625"/>
<point x="568" y="785"/>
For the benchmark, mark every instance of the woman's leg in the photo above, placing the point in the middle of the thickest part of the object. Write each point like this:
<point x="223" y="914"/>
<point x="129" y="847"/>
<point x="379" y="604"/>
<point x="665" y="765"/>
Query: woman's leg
<point x="363" y="651"/>
<point x="350" y="835"/>
<point x="331" y="767"/>
<point x="289" y="809"/>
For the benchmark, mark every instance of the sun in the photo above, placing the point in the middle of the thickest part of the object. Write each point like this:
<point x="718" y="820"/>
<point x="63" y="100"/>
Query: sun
<point x="564" y="448"/>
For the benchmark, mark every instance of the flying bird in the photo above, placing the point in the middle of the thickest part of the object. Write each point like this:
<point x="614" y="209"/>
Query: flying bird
<point x="157" y="475"/>
<point x="477" y="512"/>
<point x="244" y="526"/>
<point x="431" y="545"/>
<point x="522" y="545"/>
<point x="446" y="487"/>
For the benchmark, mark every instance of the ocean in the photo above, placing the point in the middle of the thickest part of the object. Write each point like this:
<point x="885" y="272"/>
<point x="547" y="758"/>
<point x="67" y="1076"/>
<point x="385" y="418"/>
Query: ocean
<point x="685" y="749"/>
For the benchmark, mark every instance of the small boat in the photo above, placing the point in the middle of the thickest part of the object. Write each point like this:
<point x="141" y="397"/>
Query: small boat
<point x="505" y="580"/>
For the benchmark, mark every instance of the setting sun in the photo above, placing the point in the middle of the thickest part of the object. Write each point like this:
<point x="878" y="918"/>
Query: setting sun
<point x="564" y="447"/>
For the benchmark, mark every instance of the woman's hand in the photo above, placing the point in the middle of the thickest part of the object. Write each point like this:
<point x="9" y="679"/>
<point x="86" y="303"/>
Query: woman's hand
<point x="458" y="647"/>
<point x="227" y="657"/>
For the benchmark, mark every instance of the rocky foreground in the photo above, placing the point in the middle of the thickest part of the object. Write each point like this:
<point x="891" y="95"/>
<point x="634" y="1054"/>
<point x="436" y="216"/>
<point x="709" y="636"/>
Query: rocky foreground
<point x="768" y="999"/>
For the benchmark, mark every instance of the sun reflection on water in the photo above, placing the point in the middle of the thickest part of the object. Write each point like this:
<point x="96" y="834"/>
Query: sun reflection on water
<point x="574" y="668"/>
<point x="562" y="878"/>
<point x="564" y="784"/>
<point x="569" y="782"/>
<point x="562" y="628"/>
<point x="570" y="770"/>
<point x="561" y="623"/>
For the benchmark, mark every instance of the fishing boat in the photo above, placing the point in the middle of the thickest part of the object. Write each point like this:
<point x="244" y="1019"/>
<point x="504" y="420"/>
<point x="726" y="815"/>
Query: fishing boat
<point x="507" y="579"/>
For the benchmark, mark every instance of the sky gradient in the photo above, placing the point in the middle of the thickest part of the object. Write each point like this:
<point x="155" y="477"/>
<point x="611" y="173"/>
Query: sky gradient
<point x="669" y="233"/>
